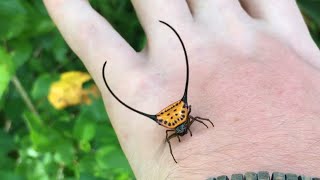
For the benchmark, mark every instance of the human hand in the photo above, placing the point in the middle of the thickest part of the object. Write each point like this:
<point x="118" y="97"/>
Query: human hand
<point x="254" y="71"/>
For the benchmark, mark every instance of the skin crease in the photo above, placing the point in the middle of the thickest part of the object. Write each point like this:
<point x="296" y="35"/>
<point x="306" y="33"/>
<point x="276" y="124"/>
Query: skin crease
<point x="259" y="86"/>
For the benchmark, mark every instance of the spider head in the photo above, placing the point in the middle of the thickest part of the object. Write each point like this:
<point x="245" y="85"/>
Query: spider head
<point x="182" y="129"/>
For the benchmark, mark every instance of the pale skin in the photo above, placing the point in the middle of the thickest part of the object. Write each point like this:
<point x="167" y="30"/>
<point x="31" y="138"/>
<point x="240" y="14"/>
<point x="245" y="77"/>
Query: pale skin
<point x="254" y="71"/>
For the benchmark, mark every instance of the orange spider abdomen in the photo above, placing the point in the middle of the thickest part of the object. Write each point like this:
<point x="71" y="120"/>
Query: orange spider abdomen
<point x="173" y="115"/>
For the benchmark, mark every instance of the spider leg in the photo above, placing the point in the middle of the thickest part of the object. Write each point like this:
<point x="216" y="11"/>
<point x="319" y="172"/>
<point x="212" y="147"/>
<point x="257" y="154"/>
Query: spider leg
<point x="168" y="141"/>
<point x="204" y="119"/>
<point x="189" y="123"/>
<point x="173" y="135"/>
<point x="191" y="119"/>
<point x="198" y="119"/>
<point x="190" y="132"/>
<point x="201" y="122"/>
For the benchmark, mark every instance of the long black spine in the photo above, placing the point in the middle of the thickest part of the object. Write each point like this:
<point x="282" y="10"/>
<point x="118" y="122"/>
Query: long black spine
<point x="185" y="94"/>
<point x="153" y="117"/>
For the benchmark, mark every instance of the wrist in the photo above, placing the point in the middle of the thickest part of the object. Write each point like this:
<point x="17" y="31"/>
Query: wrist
<point x="291" y="147"/>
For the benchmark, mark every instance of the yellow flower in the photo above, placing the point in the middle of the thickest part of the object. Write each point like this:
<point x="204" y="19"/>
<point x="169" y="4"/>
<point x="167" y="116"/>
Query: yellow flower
<point x="68" y="91"/>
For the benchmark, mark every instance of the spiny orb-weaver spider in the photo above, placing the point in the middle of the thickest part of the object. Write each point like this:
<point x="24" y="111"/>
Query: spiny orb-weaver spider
<point x="176" y="117"/>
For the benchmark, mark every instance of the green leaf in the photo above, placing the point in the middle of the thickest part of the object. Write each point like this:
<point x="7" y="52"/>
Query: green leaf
<point x="13" y="14"/>
<point x="14" y="105"/>
<point x="6" y="143"/>
<point x="38" y="171"/>
<point x="105" y="130"/>
<point x="87" y="164"/>
<point x="10" y="175"/>
<point x="64" y="152"/>
<point x="96" y="111"/>
<point x="6" y="70"/>
<point x="43" y="138"/>
<point x="111" y="157"/>
<point x="87" y="176"/>
<point x="7" y="163"/>
<point x="34" y="123"/>
<point x="22" y="51"/>
<point x="35" y="65"/>
<point x="85" y="146"/>
<point x="85" y="128"/>
<point x="4" y="80"/>
<point x="38" y="21"/>
<point x="11" y="7"/>
<point x="311" y="8"/>
<point x="60" y="49"/>
<point x="102" y="156"/>
<point x="42" y="85"/>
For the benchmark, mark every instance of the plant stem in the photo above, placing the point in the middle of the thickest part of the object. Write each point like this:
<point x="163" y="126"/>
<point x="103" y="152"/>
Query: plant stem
<point x="24" y="95"/>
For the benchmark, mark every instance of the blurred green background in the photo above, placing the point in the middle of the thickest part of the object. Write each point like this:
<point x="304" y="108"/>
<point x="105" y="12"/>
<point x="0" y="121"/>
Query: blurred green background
<point x="39" y="141"/>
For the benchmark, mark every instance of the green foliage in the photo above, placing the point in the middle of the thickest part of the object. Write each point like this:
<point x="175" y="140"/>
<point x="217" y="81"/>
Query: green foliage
<point x="6" y="70"/>
<point x="311" y="12"/>
<point x="121" y="15"/>
<point x="36" y="140"/>
<point x="40" y="142"/>
<point x="41" y="86"/>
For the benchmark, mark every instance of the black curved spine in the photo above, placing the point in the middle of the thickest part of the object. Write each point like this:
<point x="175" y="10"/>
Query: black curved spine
<point x="185" y="94"/>
<point x="153" y="117"/>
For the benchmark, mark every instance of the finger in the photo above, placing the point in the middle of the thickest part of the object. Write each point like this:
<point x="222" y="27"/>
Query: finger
<point x="284" y="14"/>
<point x="285" y="17"/>
<point x="217" y="12"/>
<point x="150" y="12"/>
<point x="90" y="36"/>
